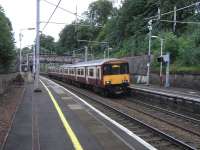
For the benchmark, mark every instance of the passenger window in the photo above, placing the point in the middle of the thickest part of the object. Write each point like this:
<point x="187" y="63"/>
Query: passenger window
<point x="91" y="72"/>
<point x="82" y="72"/>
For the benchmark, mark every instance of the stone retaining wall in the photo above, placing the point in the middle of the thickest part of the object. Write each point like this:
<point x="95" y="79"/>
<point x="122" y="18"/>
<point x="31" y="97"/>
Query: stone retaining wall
<point x="138" y="69"/>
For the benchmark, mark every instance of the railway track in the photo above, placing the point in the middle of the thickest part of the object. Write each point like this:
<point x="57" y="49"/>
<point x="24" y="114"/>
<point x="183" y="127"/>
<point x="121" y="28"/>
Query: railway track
<point x="150" y="134"/>
<point x="189" y="127"/>
<point x="156" y="109"/>
<point x="180" y="104"/>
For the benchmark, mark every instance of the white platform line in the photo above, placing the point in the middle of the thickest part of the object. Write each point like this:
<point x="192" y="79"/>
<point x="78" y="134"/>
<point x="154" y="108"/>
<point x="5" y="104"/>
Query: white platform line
<point x="127" y="131"/>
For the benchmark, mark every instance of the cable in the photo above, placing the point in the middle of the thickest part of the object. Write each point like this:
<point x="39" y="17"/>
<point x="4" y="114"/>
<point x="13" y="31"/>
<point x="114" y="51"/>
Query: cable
<point x="64" y="9"/>
<point x="51" y="15"/>
<point x="61" y="23"/>
<point x="194" y="4"/>
<point x="182" y="22"/>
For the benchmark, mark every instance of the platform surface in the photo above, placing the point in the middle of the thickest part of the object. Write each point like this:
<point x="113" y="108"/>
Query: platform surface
<point x="179" y="92"/>
<point x="41" y="123"/>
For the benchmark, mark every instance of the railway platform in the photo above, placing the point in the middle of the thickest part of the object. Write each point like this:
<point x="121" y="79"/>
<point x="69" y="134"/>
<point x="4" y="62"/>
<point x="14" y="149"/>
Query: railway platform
<point x="58" y="119"/>
<point x="179" y="93"/>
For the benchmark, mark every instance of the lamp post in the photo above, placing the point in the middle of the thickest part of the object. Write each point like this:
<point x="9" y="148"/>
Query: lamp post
<point x="20" y="51"/>
<point x="36" y="83"/>
<point x="161" y="53"/>
<point x="109" y="49"/>
<point x="149" y="51"/>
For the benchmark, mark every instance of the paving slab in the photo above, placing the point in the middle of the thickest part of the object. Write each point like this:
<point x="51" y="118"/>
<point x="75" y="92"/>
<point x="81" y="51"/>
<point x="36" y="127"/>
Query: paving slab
<point x="38" y="125"/>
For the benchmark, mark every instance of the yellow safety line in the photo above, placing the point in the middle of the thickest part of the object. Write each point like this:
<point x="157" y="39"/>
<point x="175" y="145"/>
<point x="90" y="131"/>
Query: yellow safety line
<point x="68" y="129"/>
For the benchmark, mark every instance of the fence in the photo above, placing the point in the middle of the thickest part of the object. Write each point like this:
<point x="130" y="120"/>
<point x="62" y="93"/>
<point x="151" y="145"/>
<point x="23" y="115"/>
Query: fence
<point x="6" y="81"/>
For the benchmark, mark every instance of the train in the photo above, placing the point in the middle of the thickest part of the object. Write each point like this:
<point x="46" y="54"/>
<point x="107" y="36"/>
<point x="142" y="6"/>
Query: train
<point x="105" y="76"/>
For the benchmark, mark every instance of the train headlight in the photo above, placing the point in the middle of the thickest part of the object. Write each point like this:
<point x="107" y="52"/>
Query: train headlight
<point x="108" y="82"/>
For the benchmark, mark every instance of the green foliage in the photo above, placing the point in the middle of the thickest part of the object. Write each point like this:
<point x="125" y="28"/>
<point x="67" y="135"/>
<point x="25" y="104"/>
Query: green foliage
<point x="47" y="44"/>
<point x="171" y="45"/>
<point x="126" y="30"/>
<point x="185" y="69"/>
<point x="26" y="50"/>
<point x="99" y="11"/>
<point x="6" y="41"/>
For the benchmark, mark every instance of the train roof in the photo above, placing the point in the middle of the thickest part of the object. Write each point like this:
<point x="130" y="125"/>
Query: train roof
<point x="93" y="63"/>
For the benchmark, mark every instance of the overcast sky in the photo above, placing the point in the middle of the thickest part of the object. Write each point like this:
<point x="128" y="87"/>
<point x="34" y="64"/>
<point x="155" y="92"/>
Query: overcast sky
<point x="22" y="14"/>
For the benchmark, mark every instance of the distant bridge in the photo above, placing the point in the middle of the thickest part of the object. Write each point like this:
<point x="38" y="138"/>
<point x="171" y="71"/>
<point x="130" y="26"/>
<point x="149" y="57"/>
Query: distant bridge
<point x="44" y="58"/>
<point x="56" y="59"/>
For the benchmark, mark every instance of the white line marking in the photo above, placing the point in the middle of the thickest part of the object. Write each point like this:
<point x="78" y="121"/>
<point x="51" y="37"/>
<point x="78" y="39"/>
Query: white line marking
<point x="127" y="131"/>
<point x="168" y="94"/>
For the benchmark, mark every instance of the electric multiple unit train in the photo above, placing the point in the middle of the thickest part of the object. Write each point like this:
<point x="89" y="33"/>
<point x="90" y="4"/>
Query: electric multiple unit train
<point x="103" y="76"/>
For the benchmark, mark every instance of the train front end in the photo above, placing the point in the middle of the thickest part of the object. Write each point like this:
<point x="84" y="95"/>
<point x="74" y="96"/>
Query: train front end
<point x="116" y="78"/>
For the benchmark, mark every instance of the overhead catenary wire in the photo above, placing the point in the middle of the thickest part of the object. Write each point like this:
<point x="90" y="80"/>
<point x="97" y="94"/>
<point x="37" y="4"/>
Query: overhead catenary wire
<point x="194" y="4"/>
<point x="181" y="22"/>
<point x="68" y="11"/>
<point x="51" y="15"/>
<point x="61" y="23"/>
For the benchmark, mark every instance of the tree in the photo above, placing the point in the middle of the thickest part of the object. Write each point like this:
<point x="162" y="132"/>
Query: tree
<point x="6" y="41"/>
<point x="47" y="44"/>
<point x="99" y="11"/>
<point x="67" y="40"/>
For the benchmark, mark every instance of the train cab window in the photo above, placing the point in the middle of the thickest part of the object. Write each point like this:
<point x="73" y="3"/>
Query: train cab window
<point x="107" y="69"/>
<point x="91" y="72"/>
<point x="110" y="69"/>
<point x="115" y="69"/>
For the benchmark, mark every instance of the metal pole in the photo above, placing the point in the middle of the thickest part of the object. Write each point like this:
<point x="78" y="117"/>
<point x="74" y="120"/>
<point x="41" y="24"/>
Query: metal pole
<point x="20" y="52"/>
<point x="104" y="55"/>
<point x="108" y="52"/>
<point x="167" y="71"/>
<point x="86" y="53"/>
<point x="27" y="61"/>
<point x="174" y="26"/>
<point x="34" y="61"/>
<point x="149" y="56"/>
<point x="161" y="64"/>
<point x="36" y="88"/>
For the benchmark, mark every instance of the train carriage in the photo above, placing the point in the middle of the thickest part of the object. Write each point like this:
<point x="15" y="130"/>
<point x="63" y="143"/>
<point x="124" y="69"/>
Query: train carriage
<point x="107" y="75"/>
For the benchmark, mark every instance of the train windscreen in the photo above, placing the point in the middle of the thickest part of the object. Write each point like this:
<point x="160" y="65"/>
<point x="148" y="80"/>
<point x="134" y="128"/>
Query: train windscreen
<point x="113" y="69"/>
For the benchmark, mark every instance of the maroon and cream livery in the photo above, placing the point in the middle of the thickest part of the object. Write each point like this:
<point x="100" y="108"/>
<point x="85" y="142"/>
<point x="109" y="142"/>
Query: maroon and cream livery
<point x="107" y="75"/>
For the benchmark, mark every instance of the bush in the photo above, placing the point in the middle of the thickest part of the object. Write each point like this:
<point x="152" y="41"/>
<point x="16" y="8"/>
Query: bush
<point x="19" y="79"/>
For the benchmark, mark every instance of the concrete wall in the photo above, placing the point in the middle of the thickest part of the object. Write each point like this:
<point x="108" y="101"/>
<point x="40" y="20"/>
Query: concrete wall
<point x="138" y="69"/>
<point x="5" y="81"/>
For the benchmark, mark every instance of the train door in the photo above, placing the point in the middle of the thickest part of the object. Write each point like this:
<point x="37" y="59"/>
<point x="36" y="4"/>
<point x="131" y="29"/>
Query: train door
<point x="76" y="74"/>
<point x="98" y="75"/>
<point x="86" y="74"/>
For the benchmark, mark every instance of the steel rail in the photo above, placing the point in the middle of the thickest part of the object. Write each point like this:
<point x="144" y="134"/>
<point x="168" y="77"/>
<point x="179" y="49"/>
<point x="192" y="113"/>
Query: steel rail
<point x="169" y="112"/>
<point x="159" y="93"/>
<point x="168" y="122"/>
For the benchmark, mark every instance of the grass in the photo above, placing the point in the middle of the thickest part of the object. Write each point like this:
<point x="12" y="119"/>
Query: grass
<point x="185" y="69"/>
<point x="174" y="69"/>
